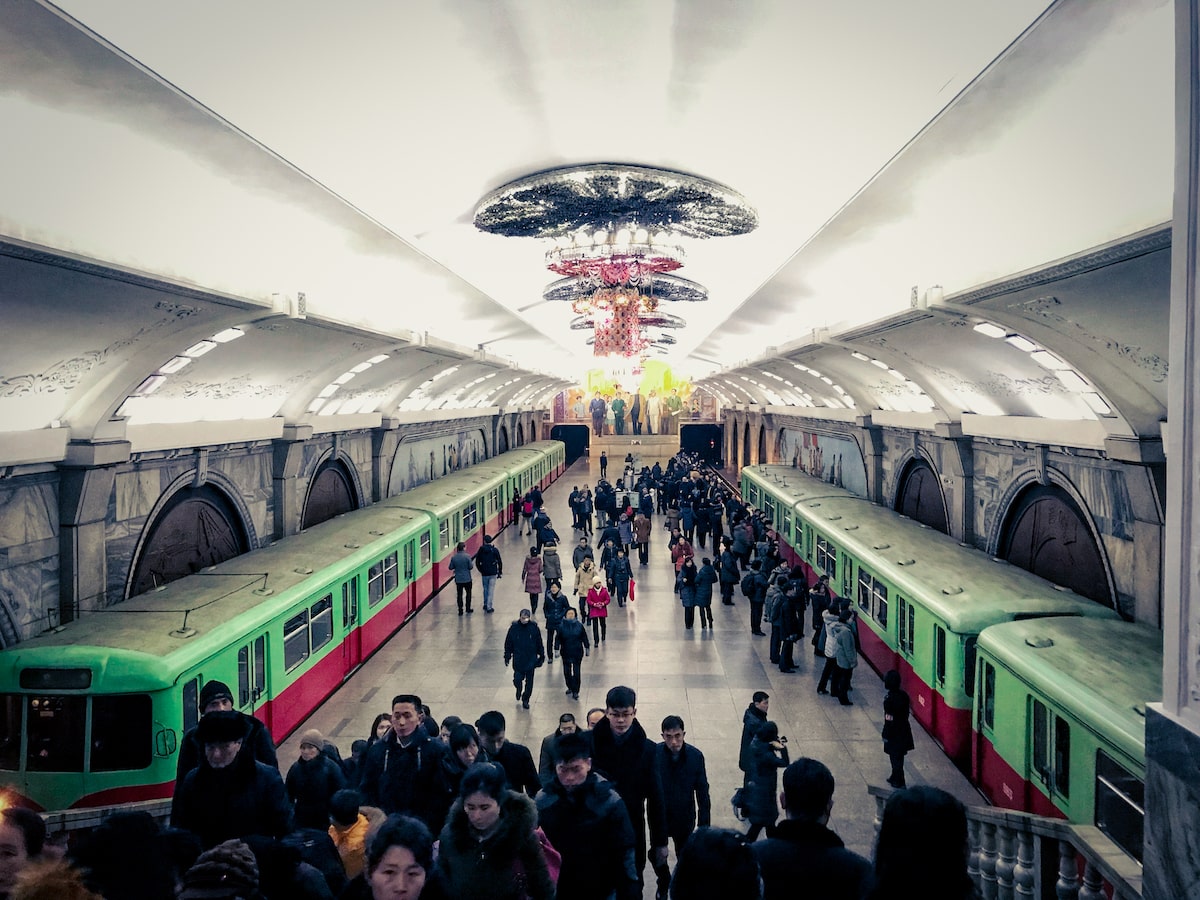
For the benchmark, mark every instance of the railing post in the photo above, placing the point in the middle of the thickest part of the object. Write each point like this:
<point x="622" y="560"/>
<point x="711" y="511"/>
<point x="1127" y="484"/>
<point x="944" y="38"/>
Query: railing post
<point x="973" y="857"/>
<point x="1006" y="862"/>
<point x="1093" y="883"/>
<point x="1067" y="886"/>
<point x="1024" y="873"/>
<point x="987" y="861"/>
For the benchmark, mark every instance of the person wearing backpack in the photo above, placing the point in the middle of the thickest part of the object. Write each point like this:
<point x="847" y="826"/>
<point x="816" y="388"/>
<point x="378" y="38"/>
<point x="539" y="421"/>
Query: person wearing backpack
<point x="754" y="589"/>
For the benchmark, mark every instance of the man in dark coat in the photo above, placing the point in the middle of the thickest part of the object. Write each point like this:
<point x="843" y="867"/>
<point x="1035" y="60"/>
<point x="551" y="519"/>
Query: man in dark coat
<point x="554" y="608"/>
<point x="490" y="566"/>
<point x="622" y="753"/>
<point x="401" y="772"/>
<point x="215" y="696"/>
<point x="753" y="719"/>
<point x="515" y="759"/>
<point x="523" y="647"/>
<point x="686" y="796"/>
<point x="587" y="823"/>
<point x="230" y="794"/>
<point x="801" y="854"/>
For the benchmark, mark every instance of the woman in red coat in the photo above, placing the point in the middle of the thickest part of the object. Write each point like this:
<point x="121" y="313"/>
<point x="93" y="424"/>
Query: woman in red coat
<point x="598" y="599"/>
<point x="531" y="571"/>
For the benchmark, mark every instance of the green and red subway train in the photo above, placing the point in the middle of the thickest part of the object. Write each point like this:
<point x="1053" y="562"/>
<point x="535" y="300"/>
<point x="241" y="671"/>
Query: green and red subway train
<point x="91" y="713"/>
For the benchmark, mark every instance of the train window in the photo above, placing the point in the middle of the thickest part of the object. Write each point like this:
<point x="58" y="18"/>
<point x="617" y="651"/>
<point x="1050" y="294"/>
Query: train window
<point x="864" y="590"/>
<point x="787" y="524"/>
<point x="295" y="640"/>
<point x="122" y="737"/>
<point x="191" y="703"/>
<point x="10" y="732"/>
<point x="969" y="655"/>
<point x="493" y="501"/>
<point x="375" y="583"/>
<point x="907" y="626"/>
<point x="321" y="618"/>
<point x="1062" y="756"/>
<point x="827" y="558"/>
<point x="873" y="597"/>
<point x="444" y="534"/>
<point x="769" y="509"/>
<point x="987" y="705"/>
<point x="1041" y="741"/>
<point x="470" y="518"/>
<point x="391" y="575"/>
<point x="56" y="734"/>
<point x="244" y="676"/>
<point x="939" y="655"/>
<point x="426" y="549"/>
<point x="1120" y="804"/>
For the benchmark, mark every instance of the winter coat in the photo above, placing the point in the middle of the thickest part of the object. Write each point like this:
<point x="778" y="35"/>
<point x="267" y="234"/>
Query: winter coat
<point x="584" y="577"/>
<point x="730" y="573"/>
<point x="408" y="779"/>
<point x="555" y="607"/>
<point x="523" y="646"/>
<point x="590" y="827"/>
<point x="310" y="785"/>
<point x="545" y="532"/>
<point x="531" y="571"/>
<point x="579" y="554"/>
<point x="506" y="865"/>
<point x="598" y="599"/>
<point x="752" y="720"/>
<point x="246" y="797"/>
<point x="642" y="526"/>
<point x="630" y="765"/>
<point x="897" y="730"/>
<point x="681" y="551"/>
<point x="625" y="530"/>
<point x="488" y="560"/>
<point x="646" y="506"/>
<point x="460" y="566"/>
<point x="743" y="537"/>
<point x="551" y="564"/>
<point x="687" y="586"/>
<point x="257" y="744"/>
<point x="706" y="577"/>
<point x="609" y="533"/>
<point x="517" y="762"/>
<point x="843" y="637"/>
<point x="762" y="789"/>
<point x="828" y="620"/>
<point x="685" y="789"/>
<point x="571" y="638"/>
<point x="687" y="517"/>
<point x="351" y="840"/>
<point x="800" y="852"/>
<point x="772" y="603"/>
<point x="619" y="572"/>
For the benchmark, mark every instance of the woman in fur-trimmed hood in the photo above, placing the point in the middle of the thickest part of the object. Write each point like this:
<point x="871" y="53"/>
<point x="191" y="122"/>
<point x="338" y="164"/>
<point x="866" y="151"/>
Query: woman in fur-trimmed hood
<point x="489" y="849"/>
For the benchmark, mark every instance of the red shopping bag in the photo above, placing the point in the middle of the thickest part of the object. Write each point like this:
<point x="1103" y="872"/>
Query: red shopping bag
<point x="632" y="589"/>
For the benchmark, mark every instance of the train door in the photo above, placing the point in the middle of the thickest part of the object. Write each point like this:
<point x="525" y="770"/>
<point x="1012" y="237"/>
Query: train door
<point x="252" y="679"/>
<point x="410" y="577"/>
<point x="1050" y="758"/>
<point x="352" y="644"/>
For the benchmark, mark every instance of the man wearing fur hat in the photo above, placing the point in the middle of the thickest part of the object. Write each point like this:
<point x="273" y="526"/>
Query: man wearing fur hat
<point x="215" y="696"/>
<point x="228" y="870"/>
<point x="230" y="794"/>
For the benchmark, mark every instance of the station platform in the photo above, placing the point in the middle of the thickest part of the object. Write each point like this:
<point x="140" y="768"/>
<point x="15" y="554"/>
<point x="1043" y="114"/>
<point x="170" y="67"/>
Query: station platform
<point x="706" y="676"/>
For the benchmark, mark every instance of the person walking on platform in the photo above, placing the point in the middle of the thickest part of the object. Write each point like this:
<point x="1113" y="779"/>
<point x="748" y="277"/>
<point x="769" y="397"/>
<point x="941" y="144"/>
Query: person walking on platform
<point x="598" y="599"/>
<point x="706" y="577"/>
<point x="845" y="657"/>
<point x="641" y="536"/>
<point x="581" y="552"/>
<point x="554" y="608"/>
<point x="515" y="758"/>
<point x="768" y="754"/>
<point x="490" y="565"/>
<point x="686" y="583"/>
<point x="216" y="696"/>
<point x="897" y="730"/>
<point x="523" y="647"/>
<point x="460" y="566"/>
<point x="729" y="573"/>
<point x="573" y="646"/>
<point x="752" y="720"/>
<point x="551" y="565"/>
<point x="686" y="797"/>
<point x="531" y="575"/>
<point x="603" y="464"/>
<point x="402" y="770"/>
<point x="619" y="575"/>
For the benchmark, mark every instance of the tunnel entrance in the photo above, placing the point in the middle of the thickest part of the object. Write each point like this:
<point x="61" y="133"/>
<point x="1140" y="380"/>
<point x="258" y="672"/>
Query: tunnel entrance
<point x="576" y="437"/>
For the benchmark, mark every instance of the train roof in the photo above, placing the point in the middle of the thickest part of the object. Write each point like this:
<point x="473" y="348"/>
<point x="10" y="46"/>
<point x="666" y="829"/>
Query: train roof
<point x="221" y="602"/>
<point x="961" y="585"/>
<point x="1103" y="673"/>
<point x="792" y="485"/>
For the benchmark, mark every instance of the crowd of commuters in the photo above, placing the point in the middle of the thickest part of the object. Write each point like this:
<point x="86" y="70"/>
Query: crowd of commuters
<point x="455" y="810"/>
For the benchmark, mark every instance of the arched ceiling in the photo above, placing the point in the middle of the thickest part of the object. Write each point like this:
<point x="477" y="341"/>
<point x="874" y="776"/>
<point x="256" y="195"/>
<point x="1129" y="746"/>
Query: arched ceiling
<point x="919" y="169"/>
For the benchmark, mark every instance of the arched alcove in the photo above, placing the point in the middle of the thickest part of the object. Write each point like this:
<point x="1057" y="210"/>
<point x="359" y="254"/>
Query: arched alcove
<point x="502" y="439"/>
<point x="734" y="455"/>
<point x="520" y="434"/>
<point x="331" y="492"/>
<point x="919" y="495"/>
<point x="762" y="444"/>
<point x="1046" y="532"/>
<point x="195" y="528"/>
<point x="746" y="444"/>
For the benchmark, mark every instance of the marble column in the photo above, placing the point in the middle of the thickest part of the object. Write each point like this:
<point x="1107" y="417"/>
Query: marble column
<point x="85" y="487"/>
<point x="287" y="459"/>
<point x="1172" y="837"/>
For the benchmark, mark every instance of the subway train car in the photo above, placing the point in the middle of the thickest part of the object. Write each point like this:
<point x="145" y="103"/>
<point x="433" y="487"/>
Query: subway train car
<point x="922" y="598"/>
<point x="91" y="713"/>
<point x="1060" y="716"/>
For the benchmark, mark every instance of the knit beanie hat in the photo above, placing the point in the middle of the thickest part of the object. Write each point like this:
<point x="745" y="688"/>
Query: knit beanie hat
<point x="225" y="872"/>
<point x="313" y="737"/>
<point x="214" y="690"/>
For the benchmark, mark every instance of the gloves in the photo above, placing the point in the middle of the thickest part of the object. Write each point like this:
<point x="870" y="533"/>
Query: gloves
<point x="587" y="652"/>
<point x="506" y="662"/>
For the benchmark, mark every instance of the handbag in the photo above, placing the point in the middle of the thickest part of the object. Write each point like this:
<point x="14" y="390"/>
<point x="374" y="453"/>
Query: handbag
<point x="553" y="865"/>
<point x="632" y="590"/>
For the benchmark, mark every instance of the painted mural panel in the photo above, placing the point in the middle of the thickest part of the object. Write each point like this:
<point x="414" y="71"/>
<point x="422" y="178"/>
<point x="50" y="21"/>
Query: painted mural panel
<point x="419" y="461"/>
<point x="828" y="457"/>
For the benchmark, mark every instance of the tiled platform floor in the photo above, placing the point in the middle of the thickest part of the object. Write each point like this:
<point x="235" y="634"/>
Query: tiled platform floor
<point x="707" y="677"/>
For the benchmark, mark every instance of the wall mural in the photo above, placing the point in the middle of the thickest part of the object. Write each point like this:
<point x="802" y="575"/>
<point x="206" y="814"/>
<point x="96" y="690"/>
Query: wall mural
<point x="417" y="462"/>
<point x="651" y="375"/>
<point x="825" y="456"/>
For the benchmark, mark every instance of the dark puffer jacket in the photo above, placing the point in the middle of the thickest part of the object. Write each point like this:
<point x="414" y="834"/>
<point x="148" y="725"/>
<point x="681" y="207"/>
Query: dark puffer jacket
<point x="246" y="797"/>
<point x="488" y="869"/>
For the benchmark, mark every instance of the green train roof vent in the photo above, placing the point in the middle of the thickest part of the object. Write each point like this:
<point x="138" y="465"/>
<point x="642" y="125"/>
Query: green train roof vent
<point x="1039" y="642"/>
<point x="905" y="562"/>
<point x="952" y="591"/>
<point x="880" y="546"/>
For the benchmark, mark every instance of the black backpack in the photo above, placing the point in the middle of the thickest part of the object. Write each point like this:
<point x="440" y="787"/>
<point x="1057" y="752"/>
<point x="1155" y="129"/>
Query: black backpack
<point x="748" y="584"/>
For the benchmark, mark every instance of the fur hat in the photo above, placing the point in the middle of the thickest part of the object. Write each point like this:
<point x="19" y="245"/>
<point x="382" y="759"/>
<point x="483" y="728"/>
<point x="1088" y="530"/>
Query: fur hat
<point x="214" y="690"/>
<point x="313" y="737"/>
<point x="219" y="727"/>
<point x="226" y="871"/>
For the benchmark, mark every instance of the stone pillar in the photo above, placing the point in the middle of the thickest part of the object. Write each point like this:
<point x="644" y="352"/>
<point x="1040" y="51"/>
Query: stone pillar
<point x="384" y="441"/>
<point x="1172" y="867"/>
<point x="958" y="481"/>
<point x="870" y="438"/>
<point x="288" y="456"/>
<point x="86" y="479"/>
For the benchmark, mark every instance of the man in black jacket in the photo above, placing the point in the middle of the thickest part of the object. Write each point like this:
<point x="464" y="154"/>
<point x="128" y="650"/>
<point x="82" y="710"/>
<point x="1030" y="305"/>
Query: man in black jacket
<point x="515" y="759"/>
<point x="623" y="753"/>
<point x="686" y="796"/>
<point x="490" y="566"/>
<point x="216" y="696"/>
<point x="802" y="853"/>
<point x="753" y="719"/>
<point x="401" y="773"/>
<point x="523" y="647"/>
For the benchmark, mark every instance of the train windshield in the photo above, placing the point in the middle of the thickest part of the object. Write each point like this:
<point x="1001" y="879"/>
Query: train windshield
<point x="56" y="735"/>
<point x="10" y="732"/>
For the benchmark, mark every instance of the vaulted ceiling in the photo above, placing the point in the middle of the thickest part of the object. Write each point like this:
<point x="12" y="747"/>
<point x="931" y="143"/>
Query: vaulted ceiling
<point x="172" y="171"/>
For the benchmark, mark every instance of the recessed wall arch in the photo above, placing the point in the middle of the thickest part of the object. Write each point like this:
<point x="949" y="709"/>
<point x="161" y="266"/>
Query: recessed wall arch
<point x="746" y="443"/>
<point x="734" y="455"/>
<point x="1045" y="529"/>
<point x="502" y="439"/>
<point x="762" y="444"/>
<point x="191" y="527"/>
<point x="918" y="493"/>
<point x="520" y="433"/>
<point x="333" y="489"/>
